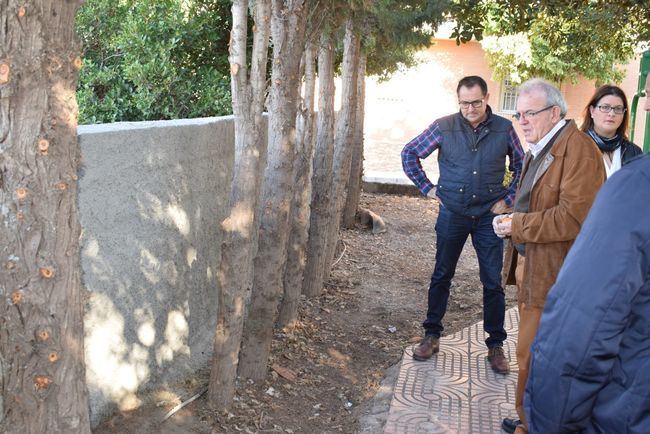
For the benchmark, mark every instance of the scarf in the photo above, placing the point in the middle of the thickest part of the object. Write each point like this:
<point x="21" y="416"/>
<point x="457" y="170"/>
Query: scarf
<point x="605" y="145"/>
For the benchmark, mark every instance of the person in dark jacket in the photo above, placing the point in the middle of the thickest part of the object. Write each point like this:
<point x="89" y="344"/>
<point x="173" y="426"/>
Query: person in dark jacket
<point x="606" y="121"/>
<point x="472" y="146"/>
<point x="590" y="369"/>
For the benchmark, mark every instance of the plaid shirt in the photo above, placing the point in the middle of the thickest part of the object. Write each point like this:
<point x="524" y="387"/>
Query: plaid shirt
<point x="431" y="139"/>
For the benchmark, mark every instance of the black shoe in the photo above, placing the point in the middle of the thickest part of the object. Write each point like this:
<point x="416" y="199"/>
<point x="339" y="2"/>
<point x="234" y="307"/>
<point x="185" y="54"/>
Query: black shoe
<point x="510" y="425"/>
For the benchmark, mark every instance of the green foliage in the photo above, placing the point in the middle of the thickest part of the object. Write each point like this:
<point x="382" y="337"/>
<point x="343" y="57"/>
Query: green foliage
<point x="555" y="39"/>
<point x="510" y="56"/>
<point x="395" y="30"/>
<point x="392" y="31"/>
<point x="580" y="41"/>
<point x="153" y="59"/>
<point x="507" y="177"/>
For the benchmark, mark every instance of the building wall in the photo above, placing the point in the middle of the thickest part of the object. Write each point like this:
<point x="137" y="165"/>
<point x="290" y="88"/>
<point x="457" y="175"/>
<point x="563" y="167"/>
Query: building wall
<point x="577" y="95"/>
<point x="151" y="198"/>
<point x="400" y="108"/>
<point x="630" y="84"/>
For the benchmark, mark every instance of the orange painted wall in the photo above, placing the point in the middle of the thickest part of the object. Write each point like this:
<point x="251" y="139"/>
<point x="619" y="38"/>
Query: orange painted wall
<point x="399" y="109"/>
<point x="406" y="104"/>
<point x="577" y="95"/>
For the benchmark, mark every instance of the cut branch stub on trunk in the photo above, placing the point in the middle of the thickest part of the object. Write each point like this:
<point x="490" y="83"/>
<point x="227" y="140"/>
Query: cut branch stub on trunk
<point x="42" y="372"/>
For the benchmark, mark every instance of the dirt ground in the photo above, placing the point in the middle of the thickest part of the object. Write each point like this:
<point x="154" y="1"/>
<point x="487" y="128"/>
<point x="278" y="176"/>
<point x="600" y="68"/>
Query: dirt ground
<point x="326" y="371"/>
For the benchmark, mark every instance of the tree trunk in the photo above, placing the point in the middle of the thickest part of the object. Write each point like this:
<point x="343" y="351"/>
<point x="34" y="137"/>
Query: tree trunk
<point x="356" y="168"/>
<point x="321" y="178"/>
<point x="300" y="213"/>
<point x="42" y="372"/>
<point x="288" y="24"/>
<point x="240" y="227"/>
<point x="300" y="209"/>
<point x="345" y="127"/>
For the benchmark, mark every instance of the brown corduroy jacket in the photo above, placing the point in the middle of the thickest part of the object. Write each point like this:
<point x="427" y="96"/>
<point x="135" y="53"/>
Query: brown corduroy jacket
<point x="564" y="188"/>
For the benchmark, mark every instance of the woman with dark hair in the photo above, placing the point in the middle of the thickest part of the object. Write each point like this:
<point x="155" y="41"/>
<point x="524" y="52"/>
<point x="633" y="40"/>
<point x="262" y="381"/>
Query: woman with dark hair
<point x="605" y="121"/>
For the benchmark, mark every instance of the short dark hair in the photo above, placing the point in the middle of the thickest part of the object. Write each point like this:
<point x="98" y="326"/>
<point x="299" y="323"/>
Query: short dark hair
<point x="471" y="81"/>
<point x="601" y="92"/>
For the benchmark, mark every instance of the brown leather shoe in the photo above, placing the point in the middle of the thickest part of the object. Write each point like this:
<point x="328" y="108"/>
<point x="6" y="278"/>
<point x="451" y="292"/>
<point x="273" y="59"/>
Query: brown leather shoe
<point x="498" y="361"/>
<point x="427" y="348"/>
<point x="521" y="429"/>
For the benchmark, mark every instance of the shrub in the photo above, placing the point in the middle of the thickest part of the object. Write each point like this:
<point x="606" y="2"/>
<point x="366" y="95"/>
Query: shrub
<point x="153" y="59"/>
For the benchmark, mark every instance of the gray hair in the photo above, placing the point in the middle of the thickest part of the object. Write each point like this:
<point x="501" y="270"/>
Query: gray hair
<point x="552" y="93"/>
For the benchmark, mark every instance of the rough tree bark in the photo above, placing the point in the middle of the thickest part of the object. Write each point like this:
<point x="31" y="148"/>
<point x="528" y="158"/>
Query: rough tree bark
<point x="345" y="127"/>
<point x="356" y="167"/>
<point x="240" y="227"/>
<point x="42" y="373"/>
<point x="288" y="24"/>
<point x="300" y="208"/>
<point x="322" y="171"/>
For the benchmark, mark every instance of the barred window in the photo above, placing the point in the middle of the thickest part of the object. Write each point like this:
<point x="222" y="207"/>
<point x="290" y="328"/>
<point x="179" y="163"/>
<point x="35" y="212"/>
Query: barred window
<point x="509" y="96"/>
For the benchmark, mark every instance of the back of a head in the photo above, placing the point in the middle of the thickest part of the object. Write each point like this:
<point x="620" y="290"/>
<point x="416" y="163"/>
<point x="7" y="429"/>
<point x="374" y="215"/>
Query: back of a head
<point x="553" y="95"/>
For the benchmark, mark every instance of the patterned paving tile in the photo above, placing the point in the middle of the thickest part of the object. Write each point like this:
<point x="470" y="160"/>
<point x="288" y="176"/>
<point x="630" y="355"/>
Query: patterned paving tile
<point x="455" y="391"/>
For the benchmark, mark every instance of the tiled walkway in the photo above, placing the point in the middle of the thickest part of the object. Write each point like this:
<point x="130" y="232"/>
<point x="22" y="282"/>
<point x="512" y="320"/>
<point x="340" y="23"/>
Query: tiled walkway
<point x="455" y="391"/>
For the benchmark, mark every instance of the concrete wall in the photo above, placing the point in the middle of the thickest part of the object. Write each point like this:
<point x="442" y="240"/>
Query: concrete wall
<point x="151" y="198"/>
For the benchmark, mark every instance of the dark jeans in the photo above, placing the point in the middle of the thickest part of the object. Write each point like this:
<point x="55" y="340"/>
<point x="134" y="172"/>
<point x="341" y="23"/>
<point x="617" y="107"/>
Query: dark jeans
<point x="452" y="231"/>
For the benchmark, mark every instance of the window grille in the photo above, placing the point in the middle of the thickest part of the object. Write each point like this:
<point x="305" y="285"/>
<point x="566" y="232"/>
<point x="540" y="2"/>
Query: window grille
<point x="509" y="96"/>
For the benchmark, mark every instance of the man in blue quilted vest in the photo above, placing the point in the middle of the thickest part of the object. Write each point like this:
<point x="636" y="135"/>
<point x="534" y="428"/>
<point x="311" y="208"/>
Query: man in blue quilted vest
<point x="473" y="145"/>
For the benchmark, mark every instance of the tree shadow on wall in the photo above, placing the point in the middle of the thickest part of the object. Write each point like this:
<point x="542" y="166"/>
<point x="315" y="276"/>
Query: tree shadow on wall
<point x="152" y="196"/>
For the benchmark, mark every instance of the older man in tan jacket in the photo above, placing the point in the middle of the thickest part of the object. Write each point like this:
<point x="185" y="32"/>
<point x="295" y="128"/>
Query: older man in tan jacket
<point x="561" y="176"/>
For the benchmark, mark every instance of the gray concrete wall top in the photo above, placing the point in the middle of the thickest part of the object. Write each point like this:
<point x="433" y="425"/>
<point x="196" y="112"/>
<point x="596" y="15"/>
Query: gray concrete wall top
<point x="151" y="199"/>
<point x="85" y="130"/>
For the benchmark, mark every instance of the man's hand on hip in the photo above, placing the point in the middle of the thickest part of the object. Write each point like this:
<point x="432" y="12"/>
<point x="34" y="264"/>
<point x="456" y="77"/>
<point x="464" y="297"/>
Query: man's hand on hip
<point x="432" y="195"/>
<point x="501" y="207"/>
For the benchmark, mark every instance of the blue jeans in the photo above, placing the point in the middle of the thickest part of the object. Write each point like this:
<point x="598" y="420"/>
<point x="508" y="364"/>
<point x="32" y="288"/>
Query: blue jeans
<point x="452" y="231"/>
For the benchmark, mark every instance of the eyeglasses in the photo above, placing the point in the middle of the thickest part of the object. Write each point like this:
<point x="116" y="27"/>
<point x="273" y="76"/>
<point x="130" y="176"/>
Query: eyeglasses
<point x="606" y="108"/>
<point x="476" y="103"/>
<point x="530" y="114"/>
